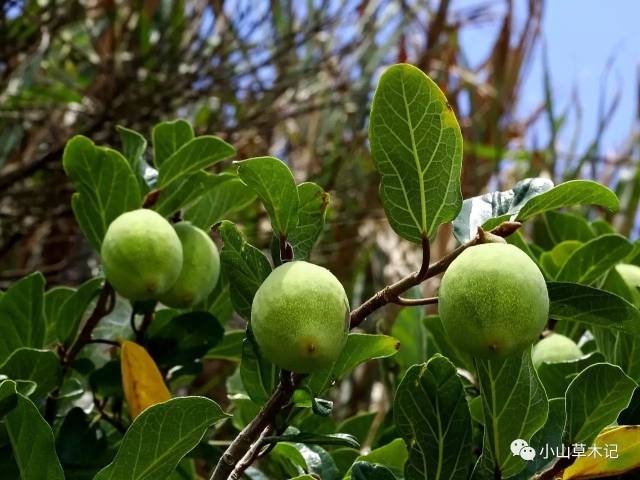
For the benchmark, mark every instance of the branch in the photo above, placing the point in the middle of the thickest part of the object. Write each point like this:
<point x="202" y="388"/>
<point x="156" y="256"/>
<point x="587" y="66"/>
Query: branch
<point x="251" y="455"/>
<point x="414" y="302"/>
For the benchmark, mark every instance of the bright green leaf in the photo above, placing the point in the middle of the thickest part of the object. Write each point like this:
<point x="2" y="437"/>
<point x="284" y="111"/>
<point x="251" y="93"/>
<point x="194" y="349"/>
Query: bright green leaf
<point x="313" y="206"/>
<point x="134" y="145"/>
<point x="186" y="191"/>
<point x="167" y="139"/>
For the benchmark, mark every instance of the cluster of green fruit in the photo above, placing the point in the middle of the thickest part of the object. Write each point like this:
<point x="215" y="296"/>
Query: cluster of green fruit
<point x="145" y="257"/>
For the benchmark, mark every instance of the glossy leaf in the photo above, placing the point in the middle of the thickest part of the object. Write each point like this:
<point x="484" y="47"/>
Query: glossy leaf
<point x="273" y="182"/>
<point x="22" y="315"/>
<point x="195" y="155"/>
<point x="141" y="380"/>
<point x="416" y="145"/>
<point x="593" y="401"/>
<point x="32" y="442"/>
<point x="39" y="366"/>
<point x="393" y="455"/>
<point x="360" y="347"/>
<point x="313" y="206"/>
<point x="553" y="260"/>
<point x="216" y="204"/>
<point x="185" y="191"/>
<point x="598" y="308"/>
<point x="168" y="137"/>
<point x="160" y="437"/>
<point x="245" y="267"/>
<point x="594" y="258"/>
<point x="573" y="192"/>
<point x="97" y="173"/>
<point x="371" y="471"/>
<point x="625" y="440"/>
<point x="134" y="146"/>
<point x="432" y="414"/>
<point x="478" y="210"/>
<point x="73" y="309"/>
<point x="556" y="377"/>
<point x="515" y="406"/>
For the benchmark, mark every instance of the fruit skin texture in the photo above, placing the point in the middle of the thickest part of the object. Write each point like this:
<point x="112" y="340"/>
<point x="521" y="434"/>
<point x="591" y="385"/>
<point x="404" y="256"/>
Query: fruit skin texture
<point x="554" y="349"/>
<point x="141" y="254"/>
<point x="200" y="268"/>
<point x="493" y="301"/>
<point x="631" y="276"/>
<point x="300" y="317"/>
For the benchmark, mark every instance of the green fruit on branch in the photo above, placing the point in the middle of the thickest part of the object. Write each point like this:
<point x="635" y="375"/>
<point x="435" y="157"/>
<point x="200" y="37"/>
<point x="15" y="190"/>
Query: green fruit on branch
<point x="200" y="268"/>
<point x="300" y="317"/>
<point x="141" y="254"/>
<point x="493" y="301"/>
<point x="554" y="349"/>
<point x="631" y="276"/>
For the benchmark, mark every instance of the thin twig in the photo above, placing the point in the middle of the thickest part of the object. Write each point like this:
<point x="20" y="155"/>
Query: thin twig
<point x="104" y="341"/>
<point x="251" y="455"/>
<point x="414" y="302"/>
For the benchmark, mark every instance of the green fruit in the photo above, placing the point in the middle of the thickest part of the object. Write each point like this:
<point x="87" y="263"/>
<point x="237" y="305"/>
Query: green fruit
<point x="553" y="349"/>
<point x="631" y="276"/>
<point x="141" y="254"/>
<point x="493" y="301"/>
<point x="300" y="317"/>
<point x="200" y="268"/>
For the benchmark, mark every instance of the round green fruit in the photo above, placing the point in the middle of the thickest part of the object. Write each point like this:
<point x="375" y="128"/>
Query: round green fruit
<point x="200" y="268"/>
<point x="300" y="317"/>
<point x="554" y="349"/>
<point x="631" y="276"/>
<point x="141" y="254"/>
<point x="493" y="301"/>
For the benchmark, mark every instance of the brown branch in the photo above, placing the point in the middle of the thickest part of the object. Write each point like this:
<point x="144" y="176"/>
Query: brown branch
<point x="246" y="446"/>
<point x="104" y="306"/>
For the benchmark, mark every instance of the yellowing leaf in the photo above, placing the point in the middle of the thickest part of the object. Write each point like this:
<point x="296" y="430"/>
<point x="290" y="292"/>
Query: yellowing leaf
<point x="621" y="442"/>
<point x="142" y="381"/>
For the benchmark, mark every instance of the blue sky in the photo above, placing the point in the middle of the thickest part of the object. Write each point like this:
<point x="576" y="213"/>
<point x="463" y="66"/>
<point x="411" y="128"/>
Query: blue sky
<point x="581" y="37"/>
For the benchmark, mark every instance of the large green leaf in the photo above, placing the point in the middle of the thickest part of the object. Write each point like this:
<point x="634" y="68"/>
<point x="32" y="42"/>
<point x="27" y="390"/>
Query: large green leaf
<point x="410" y="331"/>
<point x="197" y="154"/>
<point x="313" y="206"/>
<point x="32" y="441"/>
<point x="273" y="182"/>
<point x="160" y="437"/>
<point x="371" y="471"/>
<point x="417" y="148"/>
<point x="360" y="347"/>
<point x="557" y="376"/>
<point x="39" y="366"/>
<point x="134" y="146"/>
<point x="22" y="316"/>
<point x="168" y="137"/>
<point x="476" y="211"/>
<point x="217" y="203"/>
<point x="185" y="191"/>
<point x="73" y="309"/>
<point x="432" y="414"/>
<point x="561" y="226"/>
<point x="579" y="303"/>
<point x="106" y="186"/>
<point x="258" y="374"/>
<point x="594" y="259"/>
<point x="393" y="455"/>
<point x="245" y="267"/>
<point x="515" y="406"/>
<point x="54" y="299"/>
<point x="593" y="400"/>
<point x="573" y="192"/>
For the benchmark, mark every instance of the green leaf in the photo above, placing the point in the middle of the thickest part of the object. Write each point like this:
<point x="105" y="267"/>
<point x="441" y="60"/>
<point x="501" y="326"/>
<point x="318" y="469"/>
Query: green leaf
<point x="185" y="192"/>
<point x="245" y="267"/>
<point x="556" y="377"/>
<point x="230" y="348"/>
<point x="371" y="471"/>
<point x="553" y="260"/>
<point x="393" y="455"/>
<point x="594" y="258"/>
<point x="197" y="154"/>
<point x="134" y="146"/>
<point x="360" y="347"/>
<point x="310" y="438"/>
<point x="410" y="331"/>
<point x="476" y="211"/>
<point x="8" y="397"/>
<point x="53" y="301"/>
<point x="32" y="442"/>
<point x="160" y="437"/>
<point x="561" y="226"/>
<point x="180" y="339"/>
<point x="106" y="186"/>
<point x="579" y="303"/>
<point x="230" y="195"/>
<point x="22" y="315"/>
<point x="417" y="148"/>
<point x="438" y="342"/>
<point x="167" y="139"/>
<point x="432" y="414"/>
<point x="573" y="192"/>
<point x="313" y="206"/>
<point x="273" y="182"/>
<point x="73" y="309"/>
<point x="515" y="407"/>
<point x="40" y="366"/>
<point x="358" y="425"/>
<point x="258" y="374"/>
<point x="593" y="400"/>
